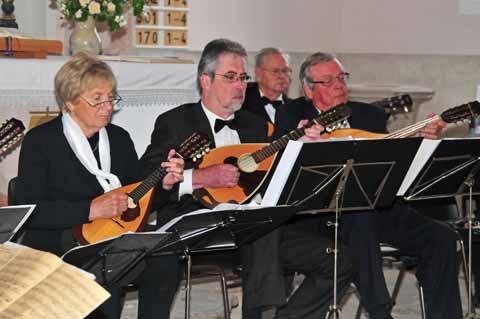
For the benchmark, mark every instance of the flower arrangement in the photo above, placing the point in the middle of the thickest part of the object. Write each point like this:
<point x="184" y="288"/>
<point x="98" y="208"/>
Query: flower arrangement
<point x="111" y="11"/>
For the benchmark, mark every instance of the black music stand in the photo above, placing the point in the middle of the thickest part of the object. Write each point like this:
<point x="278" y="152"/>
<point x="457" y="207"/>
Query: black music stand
<point x="13" y="218"/>
<point x="218" y="229"/>
<point x="112" y="260"/>
<point x="442" y="174"/>
<point x="340" y="176"/>
<point x="449" y="170"/>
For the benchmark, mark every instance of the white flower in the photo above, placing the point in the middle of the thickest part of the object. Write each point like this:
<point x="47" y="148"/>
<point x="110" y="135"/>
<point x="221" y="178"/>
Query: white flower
<point x="120" y="19"/>
<point x="94" y="7"/>
<point x="84" y="3"/>
<point x="78" y="14"/>
<point x="111" y="7"/>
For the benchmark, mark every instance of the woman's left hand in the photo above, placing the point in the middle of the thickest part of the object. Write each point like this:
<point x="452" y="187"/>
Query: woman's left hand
<point x="174" y="167"/>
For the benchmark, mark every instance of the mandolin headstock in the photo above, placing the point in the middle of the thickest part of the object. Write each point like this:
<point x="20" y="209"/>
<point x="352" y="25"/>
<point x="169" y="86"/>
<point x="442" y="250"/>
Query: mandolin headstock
<point x="194" y="147"/>
<point x="462" y="112"/>
<point x="11" y="133"/>
<point x="332" y="118"/>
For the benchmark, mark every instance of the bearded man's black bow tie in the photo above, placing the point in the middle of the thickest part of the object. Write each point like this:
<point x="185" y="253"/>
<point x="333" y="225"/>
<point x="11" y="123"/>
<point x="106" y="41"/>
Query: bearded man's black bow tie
<point x="275" y="103"/>
<point x="219" y="124"/>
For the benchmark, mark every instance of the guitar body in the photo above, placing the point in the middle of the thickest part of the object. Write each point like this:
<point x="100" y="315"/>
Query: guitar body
<point x="248" y="184"/>
<point x="101" y="229"/>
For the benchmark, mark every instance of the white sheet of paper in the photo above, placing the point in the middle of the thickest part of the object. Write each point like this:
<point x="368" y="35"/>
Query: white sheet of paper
<point x="281" y="174"/>
<point x="424" y="152"/>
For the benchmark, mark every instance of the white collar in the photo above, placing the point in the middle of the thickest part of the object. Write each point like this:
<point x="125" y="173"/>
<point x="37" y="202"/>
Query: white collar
<point x="279" y="98"/>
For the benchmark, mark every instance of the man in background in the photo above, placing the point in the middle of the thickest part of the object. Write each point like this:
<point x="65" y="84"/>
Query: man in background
<point x="272" y="75"/>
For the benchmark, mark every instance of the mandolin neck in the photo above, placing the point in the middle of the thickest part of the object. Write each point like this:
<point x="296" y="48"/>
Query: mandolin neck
<point x="280" y="143"/>
<point x="412" y="129"/>
<point x="150" y="182"/>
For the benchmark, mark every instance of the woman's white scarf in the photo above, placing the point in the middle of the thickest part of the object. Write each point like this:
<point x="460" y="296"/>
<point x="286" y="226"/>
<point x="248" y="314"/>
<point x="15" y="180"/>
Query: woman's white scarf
<point x="83" y="151"/>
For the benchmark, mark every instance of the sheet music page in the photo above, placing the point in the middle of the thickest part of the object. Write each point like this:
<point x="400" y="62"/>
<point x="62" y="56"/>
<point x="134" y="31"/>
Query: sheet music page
<point x="36" y="284"/>
<point x="65" y="293"/>
<point x="281" y="174"/>
<point x="424" y="152"/>
<point x="26" y="269"/>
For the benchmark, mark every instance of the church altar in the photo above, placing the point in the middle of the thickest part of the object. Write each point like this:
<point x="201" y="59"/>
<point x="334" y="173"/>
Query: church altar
<point x="147" y="89"/>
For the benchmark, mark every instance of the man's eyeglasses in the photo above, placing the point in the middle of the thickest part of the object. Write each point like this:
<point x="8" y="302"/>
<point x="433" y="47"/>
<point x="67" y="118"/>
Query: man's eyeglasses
<point x="279" y="72"/>
<point x="114" y="101"/>
<point x="233" y="77"/>
<point x="330" y="80"/>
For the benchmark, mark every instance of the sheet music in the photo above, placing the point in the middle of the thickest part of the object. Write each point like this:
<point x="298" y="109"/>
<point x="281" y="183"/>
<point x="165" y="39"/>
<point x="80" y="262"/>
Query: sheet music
<point x="281" y="174"/>
<point x="424" y="152"/>
<point x="36" y="284"/>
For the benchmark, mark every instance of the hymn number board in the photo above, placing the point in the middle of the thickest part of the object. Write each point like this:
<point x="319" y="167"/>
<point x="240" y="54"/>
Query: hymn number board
<point x="164" y="25"/>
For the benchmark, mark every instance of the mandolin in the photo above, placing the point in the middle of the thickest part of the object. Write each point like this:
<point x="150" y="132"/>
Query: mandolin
<point x="11" y="133"/>
<point x="254" y="161"/>
<point x="139" y="198"/>
<point x="452" y="115"/>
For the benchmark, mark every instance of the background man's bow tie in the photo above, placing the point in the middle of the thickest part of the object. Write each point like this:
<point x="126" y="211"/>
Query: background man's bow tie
<point x="266" y="101"/>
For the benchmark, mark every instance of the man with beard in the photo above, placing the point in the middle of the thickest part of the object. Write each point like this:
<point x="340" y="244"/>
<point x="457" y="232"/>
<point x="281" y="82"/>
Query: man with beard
<point x="221" y="80"/>
<point x="272" y="75"/>
<point x="324" y="84"/>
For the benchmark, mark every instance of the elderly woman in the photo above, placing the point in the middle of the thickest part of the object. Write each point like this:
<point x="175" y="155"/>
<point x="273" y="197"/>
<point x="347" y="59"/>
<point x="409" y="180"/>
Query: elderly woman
<point x="66" y="163"/>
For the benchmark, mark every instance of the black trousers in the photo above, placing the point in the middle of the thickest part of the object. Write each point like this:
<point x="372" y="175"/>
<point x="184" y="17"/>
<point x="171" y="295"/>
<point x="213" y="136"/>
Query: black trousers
<point x="401" y="226"/>
<point x="157" y="283"/>
<point x="302" y="249"/>
<point x="305" y="252"/>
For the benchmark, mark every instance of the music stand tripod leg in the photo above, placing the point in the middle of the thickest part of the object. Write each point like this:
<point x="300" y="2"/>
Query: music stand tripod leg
<point x="334" y="310"/>
<point x="469" y="181"/>
<point x="188" y="285"/>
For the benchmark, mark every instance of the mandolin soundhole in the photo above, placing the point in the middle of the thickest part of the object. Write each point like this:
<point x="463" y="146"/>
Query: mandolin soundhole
<point x="130" y="214"/>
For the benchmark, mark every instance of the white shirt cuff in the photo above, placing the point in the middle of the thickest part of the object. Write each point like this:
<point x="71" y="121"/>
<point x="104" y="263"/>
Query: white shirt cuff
<point x="186" y="187"/>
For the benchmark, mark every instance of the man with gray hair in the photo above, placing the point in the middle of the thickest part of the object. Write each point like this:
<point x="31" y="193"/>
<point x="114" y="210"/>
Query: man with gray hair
<point x="272" y="75"/>
<point x="324" y="85"/>
<point x="222" y="81"/>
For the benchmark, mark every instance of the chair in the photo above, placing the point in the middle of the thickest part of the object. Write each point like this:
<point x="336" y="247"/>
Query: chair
<point x="12" y="187"/>
<point x="392" y="255"/>
<point x="213" y="264"/>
